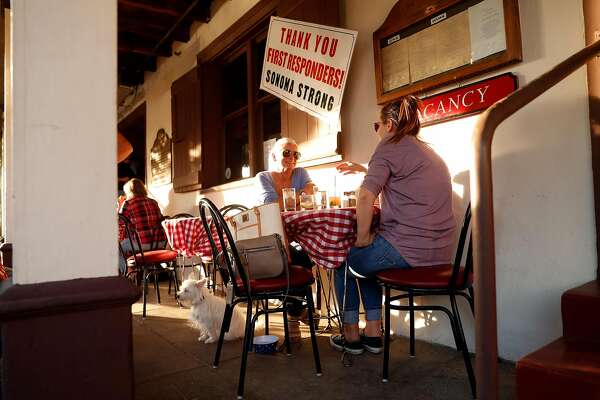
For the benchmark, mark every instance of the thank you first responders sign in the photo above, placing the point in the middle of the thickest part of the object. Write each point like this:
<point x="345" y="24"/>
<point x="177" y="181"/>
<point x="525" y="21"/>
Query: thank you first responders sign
<point x="307" y="65"/>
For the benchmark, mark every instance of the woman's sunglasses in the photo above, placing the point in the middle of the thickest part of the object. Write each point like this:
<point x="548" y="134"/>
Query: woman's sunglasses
<point x="376" y="126"/>
<point x="287" y="153"/>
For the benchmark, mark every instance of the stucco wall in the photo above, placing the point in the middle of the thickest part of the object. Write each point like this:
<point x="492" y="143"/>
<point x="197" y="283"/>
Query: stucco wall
<point x="542" y="169"/>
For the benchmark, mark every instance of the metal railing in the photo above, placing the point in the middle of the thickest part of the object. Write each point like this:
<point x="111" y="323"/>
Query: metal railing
<point x="484" y="258"/>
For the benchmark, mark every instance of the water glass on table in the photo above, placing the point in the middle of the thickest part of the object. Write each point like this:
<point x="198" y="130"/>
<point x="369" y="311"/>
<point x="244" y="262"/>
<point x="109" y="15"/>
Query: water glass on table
<point x="289" y="199"/>
<point x="307" y="201"/>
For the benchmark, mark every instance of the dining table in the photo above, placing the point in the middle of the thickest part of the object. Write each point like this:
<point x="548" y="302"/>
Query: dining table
<point x="325" y="234"/>
<point x="188" y="237"/>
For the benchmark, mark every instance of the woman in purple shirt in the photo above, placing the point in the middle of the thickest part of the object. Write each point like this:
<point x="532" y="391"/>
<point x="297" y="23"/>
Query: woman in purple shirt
<point x="417" y="227"/>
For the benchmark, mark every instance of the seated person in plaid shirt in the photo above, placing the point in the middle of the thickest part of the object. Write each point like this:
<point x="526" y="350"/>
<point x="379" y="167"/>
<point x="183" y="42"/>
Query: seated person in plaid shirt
<point x="144" y="213"/>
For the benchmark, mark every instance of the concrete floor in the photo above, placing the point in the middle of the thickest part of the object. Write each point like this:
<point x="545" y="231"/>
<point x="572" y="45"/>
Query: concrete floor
<point x="170" y="363"/>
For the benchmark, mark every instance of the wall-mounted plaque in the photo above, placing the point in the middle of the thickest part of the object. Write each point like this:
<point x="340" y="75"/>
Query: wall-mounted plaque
<point x="428" y="43"/>
<point x="160" y="158"/>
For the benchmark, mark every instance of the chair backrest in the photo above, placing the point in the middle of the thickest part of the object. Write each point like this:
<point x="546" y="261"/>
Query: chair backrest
<point x="227" y="261"/>
<point x="460" y="278"/>
<point x="232" y="209"/>
<point x="131" y="234"/>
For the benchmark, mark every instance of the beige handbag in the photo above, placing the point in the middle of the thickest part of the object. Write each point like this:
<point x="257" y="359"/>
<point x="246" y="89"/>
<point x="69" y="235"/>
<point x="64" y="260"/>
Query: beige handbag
<point x="263" y="257"/>
<point x="258" y="221"/>
<point x="260" y="240"/>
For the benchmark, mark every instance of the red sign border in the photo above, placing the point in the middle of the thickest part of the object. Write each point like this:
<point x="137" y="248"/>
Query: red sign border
<point x="514" y="78"/>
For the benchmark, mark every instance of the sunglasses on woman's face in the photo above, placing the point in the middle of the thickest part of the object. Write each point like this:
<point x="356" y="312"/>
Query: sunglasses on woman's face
<point x="376" y="126"/>
<point x="287" y="153"/>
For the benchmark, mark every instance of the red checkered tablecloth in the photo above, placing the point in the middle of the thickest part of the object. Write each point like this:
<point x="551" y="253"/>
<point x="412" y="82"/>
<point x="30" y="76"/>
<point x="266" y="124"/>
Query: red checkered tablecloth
<point x="326" y="235"/>
<point x="188" y="237"/>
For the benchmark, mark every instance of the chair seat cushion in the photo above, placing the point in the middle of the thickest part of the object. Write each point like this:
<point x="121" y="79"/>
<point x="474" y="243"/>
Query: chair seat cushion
<point x="299" y="277"/>
<point x="156" y="256"/>
<point x="434" y="277"/>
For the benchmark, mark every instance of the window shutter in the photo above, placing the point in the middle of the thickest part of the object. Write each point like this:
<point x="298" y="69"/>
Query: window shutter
<point x="187" y="132"/>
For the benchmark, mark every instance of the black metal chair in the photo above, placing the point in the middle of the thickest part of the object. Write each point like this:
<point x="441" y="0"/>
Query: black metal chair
<point x="232" y="209"/>
<point x="443" y="280"/>
<point x="208" y="262"/>
<point x="142" y="264"/>
<point x="246" y="290"/>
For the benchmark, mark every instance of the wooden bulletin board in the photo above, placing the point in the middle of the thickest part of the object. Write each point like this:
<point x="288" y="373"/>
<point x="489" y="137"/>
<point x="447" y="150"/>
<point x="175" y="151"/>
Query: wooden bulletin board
<point x="428" y="43"/>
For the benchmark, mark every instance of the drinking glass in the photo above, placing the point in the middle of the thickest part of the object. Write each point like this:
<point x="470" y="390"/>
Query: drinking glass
<point x="289" y="199"/>
<point x="321" y="199"/>
<point x="334" y="201"/>
<point x="307" y="201"/>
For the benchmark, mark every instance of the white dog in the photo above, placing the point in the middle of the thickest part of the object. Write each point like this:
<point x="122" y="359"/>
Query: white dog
<point x="207" y="312"/>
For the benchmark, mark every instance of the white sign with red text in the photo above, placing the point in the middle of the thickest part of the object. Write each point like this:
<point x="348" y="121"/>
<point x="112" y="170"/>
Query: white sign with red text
<point x="307" y="65"/>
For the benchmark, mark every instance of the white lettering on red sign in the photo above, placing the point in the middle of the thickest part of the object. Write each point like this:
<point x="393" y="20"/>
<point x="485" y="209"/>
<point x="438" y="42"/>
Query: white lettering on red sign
<point x="449" y="105"/>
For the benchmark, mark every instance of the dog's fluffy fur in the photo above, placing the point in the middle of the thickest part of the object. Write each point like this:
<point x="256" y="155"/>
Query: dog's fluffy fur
<point x="207" y="312"/>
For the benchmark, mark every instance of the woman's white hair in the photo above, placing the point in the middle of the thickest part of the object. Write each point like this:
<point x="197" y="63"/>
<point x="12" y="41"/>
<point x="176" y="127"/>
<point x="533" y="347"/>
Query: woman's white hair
<point x="280" y="143"/>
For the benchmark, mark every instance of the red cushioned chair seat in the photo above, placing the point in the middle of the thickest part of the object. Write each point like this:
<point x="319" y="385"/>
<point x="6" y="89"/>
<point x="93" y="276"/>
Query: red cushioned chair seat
<point x="299" y="277"/>
<point x="435" y="277"/>
<point x="156" y="256"/>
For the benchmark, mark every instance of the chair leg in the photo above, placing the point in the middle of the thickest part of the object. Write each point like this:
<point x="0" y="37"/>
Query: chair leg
<point x="318" y="292"/>
<point x="240" y="392"/>
<point x="224" y="328"/>
<point x="169" y="289"/>
<point x="176" y="284"/>
<point x="156" y="286"/>
<point x="459" y="334"/>
<point x="411" y="311"/>
<point x="286" y="332"/>
<point x="144" y="291"/>
<point x="455" y="320"/>
<point x="313" y="336"/>
<point x="472" y="300"/>
<point x="266" y="306"/>
<point x="214" y="276"/>
<point x="386" y="338"/>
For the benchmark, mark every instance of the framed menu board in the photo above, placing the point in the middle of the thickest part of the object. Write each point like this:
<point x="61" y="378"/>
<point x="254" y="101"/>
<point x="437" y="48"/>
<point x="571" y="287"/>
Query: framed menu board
<point x="428" y="43"/>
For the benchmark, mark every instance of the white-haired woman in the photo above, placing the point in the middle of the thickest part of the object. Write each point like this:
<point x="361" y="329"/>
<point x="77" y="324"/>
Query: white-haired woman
<point x="285" y="154"/>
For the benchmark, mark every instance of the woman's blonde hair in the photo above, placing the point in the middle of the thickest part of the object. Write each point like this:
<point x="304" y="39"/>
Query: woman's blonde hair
<point x="135" y="187"/>
<point x="404" y="114"/>
<point x="280" y="143"/>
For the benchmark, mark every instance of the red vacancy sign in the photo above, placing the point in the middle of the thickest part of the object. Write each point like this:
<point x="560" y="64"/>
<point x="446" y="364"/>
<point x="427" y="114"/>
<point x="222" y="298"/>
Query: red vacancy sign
<point x="466" y="100"/>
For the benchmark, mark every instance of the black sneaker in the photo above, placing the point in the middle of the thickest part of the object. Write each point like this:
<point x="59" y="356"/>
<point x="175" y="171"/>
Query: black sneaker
<point x="372" y="344"/>
<point x="339" y="343"/>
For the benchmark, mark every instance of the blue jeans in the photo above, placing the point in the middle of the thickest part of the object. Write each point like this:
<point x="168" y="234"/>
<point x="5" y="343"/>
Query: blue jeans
<point x="366" y="262"/>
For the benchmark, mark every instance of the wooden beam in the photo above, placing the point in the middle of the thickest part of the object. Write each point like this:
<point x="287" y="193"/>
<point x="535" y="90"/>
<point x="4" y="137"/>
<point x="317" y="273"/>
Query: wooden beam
<point x="134" y="44"/>
<point x="144" y="27"/>
<point x="129" y="60"/>
<point x="157" y="7"/>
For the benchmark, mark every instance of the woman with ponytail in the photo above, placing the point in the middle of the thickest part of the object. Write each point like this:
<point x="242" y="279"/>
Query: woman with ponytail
<point x="417" y="227"/>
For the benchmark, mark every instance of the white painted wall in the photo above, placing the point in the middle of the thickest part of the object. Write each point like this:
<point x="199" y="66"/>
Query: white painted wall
<point x="542" y="166"/>
<point x="64" y="90"/>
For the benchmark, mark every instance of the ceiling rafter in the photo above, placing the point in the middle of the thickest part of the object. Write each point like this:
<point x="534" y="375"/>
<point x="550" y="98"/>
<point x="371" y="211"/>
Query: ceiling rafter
<point x="147" y="30"/>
